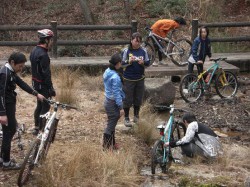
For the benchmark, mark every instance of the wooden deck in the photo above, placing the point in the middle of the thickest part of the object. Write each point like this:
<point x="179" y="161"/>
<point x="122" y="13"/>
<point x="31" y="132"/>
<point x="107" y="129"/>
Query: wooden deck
<point x="162" y="70"/>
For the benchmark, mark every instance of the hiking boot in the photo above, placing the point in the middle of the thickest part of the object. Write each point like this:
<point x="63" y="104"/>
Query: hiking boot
<point x="136" y="119"/>
<point x="35" y="131"/>
<point x="12" y="165"/>
<point x="127" y="122"/>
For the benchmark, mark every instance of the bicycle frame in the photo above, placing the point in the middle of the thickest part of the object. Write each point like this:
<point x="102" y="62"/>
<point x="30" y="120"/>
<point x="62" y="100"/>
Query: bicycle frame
<point x="44" y="135"/>
<point x="167" y="132"/>
<point x="215" y="67"/>
<point x="169" y="41"/>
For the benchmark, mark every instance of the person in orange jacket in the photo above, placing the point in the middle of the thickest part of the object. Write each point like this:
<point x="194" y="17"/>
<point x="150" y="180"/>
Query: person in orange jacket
<point x="162" y="27"/>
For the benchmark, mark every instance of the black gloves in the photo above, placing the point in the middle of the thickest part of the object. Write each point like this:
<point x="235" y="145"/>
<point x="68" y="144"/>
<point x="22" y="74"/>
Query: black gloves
<point x="52" y="92"/>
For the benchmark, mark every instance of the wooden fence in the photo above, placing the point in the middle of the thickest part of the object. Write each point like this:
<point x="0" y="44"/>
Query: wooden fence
<point x="196" y="24"/>
<point x="55" y="28"/>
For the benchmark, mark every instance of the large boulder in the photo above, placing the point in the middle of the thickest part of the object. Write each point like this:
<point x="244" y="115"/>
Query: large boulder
<point x="159" y="91"/>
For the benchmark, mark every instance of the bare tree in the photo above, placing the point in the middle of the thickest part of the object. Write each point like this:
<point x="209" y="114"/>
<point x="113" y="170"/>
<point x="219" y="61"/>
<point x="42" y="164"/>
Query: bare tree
<point x="86" y="12"/>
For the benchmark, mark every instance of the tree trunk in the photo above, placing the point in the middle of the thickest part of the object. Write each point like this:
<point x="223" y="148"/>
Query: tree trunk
<point x="86" y="12"/>
<point x="159" y="91"/>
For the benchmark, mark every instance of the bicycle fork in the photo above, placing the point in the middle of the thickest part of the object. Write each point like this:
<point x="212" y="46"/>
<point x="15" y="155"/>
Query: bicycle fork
<point x="223" y="79"/>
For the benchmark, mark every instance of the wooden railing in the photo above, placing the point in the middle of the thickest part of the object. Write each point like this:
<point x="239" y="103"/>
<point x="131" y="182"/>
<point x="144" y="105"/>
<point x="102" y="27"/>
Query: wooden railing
<point x="196" y="25"/>
<point x="55" y="28"/>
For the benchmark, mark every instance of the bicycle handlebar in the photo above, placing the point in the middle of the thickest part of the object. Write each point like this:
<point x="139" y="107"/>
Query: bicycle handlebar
<point x="218" y="59"/>
<point x="170" y="107"/>
<point x="64" y="106"/>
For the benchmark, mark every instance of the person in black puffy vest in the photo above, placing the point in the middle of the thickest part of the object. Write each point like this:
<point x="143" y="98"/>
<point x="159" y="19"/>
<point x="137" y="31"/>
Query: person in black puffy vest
<point x="41" y="75"/>
<point x="198" y="140"/>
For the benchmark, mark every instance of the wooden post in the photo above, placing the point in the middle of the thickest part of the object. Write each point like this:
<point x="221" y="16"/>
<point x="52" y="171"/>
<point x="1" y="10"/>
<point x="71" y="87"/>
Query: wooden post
<point x="134" y="24"/>
<point x="195" y="27"/>
<point x="54" y="47"/>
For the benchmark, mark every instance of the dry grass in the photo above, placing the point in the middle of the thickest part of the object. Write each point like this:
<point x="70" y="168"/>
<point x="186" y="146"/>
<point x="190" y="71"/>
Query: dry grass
<point x="66" y="84"/>
<point x="92" y="83"/>
<point x="87" y="165"/>
<point x="146" y="129"/>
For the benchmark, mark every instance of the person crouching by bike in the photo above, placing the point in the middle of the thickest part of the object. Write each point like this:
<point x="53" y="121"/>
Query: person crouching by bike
<point x="198" y="140"/>
<point x="200" y="49"/>
<point x="134" y="60"/>
<point x="8" y="81"/>
<point x="113" y="103"/>
<point x="162" y="28"/>
<point x="41" y="75"/>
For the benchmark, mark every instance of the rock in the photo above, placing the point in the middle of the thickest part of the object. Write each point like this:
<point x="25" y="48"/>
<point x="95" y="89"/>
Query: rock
<point x="159" y="91"/>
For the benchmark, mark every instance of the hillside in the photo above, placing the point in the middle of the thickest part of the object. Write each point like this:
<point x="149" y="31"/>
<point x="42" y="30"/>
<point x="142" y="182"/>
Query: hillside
<point x="112" y="12"/>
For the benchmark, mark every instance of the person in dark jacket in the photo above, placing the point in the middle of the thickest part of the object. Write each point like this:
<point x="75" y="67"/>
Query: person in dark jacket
<point x="134" y="59"/>
<point x="113" y="103"/>
<point x="198" y="140"/>
<point x="41" y="75"/>
<point x="200" y="49"/>
<point x="8" y="81"/>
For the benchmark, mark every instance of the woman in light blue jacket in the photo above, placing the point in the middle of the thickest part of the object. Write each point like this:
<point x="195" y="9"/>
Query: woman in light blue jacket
<point x="113" y="103"/>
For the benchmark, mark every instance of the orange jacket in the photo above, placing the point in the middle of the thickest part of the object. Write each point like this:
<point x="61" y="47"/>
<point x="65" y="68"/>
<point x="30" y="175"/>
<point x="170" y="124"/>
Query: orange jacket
<point x="163" y="26"/>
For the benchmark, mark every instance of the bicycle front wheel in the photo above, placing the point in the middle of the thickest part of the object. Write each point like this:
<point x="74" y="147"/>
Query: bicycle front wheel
<point x="190" y="89"/>
<point x="28" y="163"/>
<point x="226" y="84"/>
<point x="157" y="157"/>
<point x="180" y="52"/>
<point x="150" y="50"/>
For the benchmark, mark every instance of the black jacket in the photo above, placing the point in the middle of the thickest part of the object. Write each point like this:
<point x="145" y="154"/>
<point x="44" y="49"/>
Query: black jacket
<point x="40" y="66"/>
<point x="8" y="81"/>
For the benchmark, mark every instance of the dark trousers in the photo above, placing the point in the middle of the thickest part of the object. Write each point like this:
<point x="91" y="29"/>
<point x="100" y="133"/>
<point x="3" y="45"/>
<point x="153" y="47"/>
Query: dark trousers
<point x="113" y="113"/>
<point x="191" y="149"/>
<point x="41" y="109"/>
<point x="8" y="131"/>
<point x="134" y="91"/>
<point x="191" y="68"/>
<point x="158" y="50"/>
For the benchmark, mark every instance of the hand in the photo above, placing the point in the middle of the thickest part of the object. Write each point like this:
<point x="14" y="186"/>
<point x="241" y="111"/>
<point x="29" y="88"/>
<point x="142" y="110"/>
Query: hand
<point x="52" y="92"/>
<point x="40" y="97"/>
<point x="131" y="59"/>
<point x="200" y="62"/>
<point x="141" y="62"/>
<point x="121" y="112"/>
<point x="4" y="120"/>
<point x="166" y="144"/>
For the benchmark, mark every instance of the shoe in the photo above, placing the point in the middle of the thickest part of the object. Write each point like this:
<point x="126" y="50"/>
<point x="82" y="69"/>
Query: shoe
<point x="35" y="132"/>
<point x="185" y="91"/>
<point x="155" y="64"/>
<point x="11" y="166"/>
<point x="127" y="122"/>
<point x="136" y="119"/>
<point x="162" y="63"/>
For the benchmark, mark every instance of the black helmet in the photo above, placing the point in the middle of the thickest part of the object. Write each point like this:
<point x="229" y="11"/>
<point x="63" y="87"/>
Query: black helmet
<point x="180" y="20"/>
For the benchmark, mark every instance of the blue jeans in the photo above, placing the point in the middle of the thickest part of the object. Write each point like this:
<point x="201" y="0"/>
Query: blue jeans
<point x="113" y="113"/>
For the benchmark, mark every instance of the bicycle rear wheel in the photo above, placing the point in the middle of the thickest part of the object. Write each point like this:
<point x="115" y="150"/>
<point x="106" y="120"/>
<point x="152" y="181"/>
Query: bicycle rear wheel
<point x="157" y="157"/>
<point x="150" y="50"/>
<point x="28" y="163"/>
<point x="226" y="84"/>
<point x="180" y="52"/>
<point x="190" y="89"/>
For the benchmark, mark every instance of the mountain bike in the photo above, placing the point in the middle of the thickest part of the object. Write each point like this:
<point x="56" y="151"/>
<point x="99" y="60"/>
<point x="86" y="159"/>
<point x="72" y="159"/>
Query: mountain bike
<point x="192" y="87"/>
<point x="178" y="51"/>
<point x="40" y="147"/>
<point x="171" y="130"/>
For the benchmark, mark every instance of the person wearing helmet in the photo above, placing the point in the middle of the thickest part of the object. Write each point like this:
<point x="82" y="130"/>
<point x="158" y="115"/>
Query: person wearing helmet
<point x="41" y="74"/>
<point x="8" y="81"/>
<point x="162" y="28"/>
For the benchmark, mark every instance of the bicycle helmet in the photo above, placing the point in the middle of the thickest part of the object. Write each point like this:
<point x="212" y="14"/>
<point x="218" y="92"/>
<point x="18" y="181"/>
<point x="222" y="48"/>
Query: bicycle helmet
<point x="45" y="33"/>
<point x="180" y="20"/>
